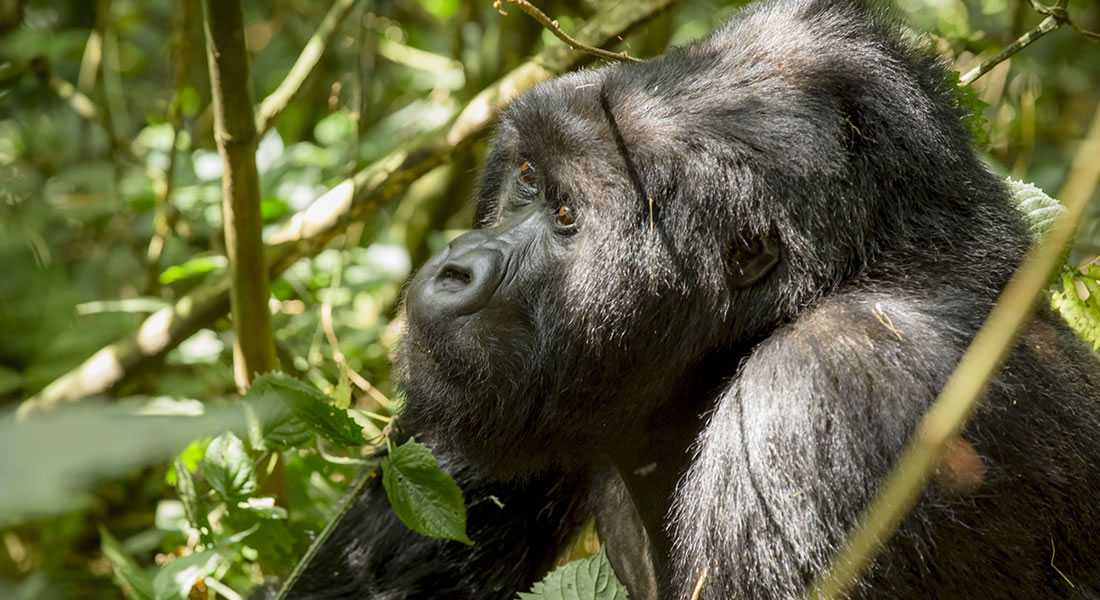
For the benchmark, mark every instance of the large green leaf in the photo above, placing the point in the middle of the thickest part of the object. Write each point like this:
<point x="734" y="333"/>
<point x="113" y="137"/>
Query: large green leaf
<point x="424" y="497"/>
<point x="308" y="405"/>
<point x="228" y="468"/>
<point x="590" y="578"/>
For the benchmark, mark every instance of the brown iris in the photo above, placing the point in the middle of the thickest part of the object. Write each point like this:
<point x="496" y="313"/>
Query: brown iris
<point x="527" y="175"/>
<point x="566" y="216"/>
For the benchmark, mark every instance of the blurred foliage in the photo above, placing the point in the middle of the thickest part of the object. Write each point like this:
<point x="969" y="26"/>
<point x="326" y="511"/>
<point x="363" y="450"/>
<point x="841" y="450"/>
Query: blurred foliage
<point x="81" y="200"/>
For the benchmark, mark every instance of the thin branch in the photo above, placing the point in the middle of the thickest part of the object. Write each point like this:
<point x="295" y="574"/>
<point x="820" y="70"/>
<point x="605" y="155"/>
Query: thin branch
<point x="554" y="28"/>
<point x="1048" y="25"/>
<point x="355" y="199"/>
<point x="236" y="136"/>
<point x="337" y="355"/>
<point x="278" y="100"/>
<point x="947" y="416"/>
<point x="1056" y="17"/>
<point x="164" y="214"/>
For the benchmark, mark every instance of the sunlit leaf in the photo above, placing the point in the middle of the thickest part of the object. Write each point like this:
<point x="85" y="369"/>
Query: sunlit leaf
<point x="425" y="498"/>
<point x="590" y="578"/>
<point x="309" y="405"/>
<point x="174" y="581"/>
<point x="228" y="468"/>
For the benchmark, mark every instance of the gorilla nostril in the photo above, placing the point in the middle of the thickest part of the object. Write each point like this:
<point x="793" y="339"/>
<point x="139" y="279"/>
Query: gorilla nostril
<point x="454" y="273"/>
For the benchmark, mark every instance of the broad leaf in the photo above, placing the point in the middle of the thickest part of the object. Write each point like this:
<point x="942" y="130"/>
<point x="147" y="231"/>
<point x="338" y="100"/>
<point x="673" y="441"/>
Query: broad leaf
<point x="424" y="497"/>
<point x="309" y="405"/>
<point x="228" y="468"/>
<point x="590" y="578"/>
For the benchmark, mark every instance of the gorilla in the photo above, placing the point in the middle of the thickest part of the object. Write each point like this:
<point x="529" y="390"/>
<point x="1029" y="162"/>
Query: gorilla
<point x="706" y="300"/>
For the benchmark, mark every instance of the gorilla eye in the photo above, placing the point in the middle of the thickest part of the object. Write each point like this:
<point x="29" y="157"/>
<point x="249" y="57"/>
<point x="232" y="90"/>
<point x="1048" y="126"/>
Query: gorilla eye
<point x="528" y="176"/>
<point x="566" y="217"/>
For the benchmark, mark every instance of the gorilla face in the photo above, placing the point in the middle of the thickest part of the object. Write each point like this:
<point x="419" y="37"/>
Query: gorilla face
<point x="636" y="219"/>
<point x="572" y="311"/>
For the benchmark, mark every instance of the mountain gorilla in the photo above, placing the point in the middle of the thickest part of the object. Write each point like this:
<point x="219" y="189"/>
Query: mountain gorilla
<point x="707" y="300"/>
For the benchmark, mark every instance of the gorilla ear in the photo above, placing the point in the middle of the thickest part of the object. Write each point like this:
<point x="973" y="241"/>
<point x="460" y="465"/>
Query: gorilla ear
<point x="752" y="260"/>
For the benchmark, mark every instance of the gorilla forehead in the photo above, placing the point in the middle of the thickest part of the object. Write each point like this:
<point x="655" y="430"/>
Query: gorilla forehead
<point x="783" y="91"/>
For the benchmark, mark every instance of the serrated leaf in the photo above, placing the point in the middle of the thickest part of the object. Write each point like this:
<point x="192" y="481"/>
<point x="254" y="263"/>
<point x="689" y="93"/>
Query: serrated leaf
<point x="1040" y="211"/>
<point x="309" y="405"/>
<point x="175" y="580"/>
<point x="425" y="498"/>
<point x="1082" y="315"/>
<point x="275" y="427"/>
<point x="228" y="468"/>
<point x="589" y="578"/>
<point x="134" y="582"/>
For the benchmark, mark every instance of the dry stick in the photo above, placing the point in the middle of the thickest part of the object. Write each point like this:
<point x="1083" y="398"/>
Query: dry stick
<point x="948" y="415"/>
<point x="354" y="199"/>
<point x="303" y="67"/>
<point x="555" y="29"/>
<point x="235" y="134"/>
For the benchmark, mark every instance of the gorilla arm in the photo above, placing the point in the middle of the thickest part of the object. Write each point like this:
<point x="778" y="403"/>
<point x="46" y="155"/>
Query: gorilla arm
<point x="812" y="424"/>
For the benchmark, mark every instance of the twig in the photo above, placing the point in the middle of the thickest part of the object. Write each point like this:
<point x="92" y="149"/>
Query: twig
<point x="555" y="29"/>
<point x="355" y="199"/>
<point x="1057" y="16"/>
<point x="164" y="214"/>
<point x="236" y="136"/>
<point x="278" y="100"/>
<point x="338" y="356"/>
<point x="947" y="416"/>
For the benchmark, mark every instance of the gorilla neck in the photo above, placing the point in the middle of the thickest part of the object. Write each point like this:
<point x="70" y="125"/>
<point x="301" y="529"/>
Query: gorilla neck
<point x="649" y="462"/>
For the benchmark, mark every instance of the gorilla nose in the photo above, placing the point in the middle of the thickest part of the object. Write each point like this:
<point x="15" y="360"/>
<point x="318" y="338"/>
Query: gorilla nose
<point x="460" y="280"/>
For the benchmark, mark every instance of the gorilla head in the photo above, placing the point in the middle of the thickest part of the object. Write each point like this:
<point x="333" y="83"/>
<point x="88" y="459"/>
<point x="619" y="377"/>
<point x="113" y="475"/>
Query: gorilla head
<point x="636" y="219"/>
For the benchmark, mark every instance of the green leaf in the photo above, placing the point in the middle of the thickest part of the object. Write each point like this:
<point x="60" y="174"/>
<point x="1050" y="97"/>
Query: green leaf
<point x="175" y="580"/>
<point x="590" y="578"/>
<point x="192" y="268"/>
<point x="1040" y="211"/>
<point x="228" y="468"/>
<point x="1083" y="315"/>
<point x="272" y="424"/>
<point x="189" y="497"/>
<point x="341" y="396"/>
<point x="190" y="458"/>
<point x="133" y="581"/>
<point x="425" y="498"/>
<point x="309" y="405"/>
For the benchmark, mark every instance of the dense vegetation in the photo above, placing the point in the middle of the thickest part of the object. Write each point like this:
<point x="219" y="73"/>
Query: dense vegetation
<point x="114" y="293"/>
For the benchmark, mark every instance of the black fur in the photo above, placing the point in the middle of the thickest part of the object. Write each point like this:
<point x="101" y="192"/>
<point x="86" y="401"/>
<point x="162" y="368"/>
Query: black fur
<point x="783" y="245"/>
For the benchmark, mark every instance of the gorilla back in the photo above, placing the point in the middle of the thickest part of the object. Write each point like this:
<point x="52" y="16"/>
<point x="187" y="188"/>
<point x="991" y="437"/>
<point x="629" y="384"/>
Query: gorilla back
<point x="707" y="299"/>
